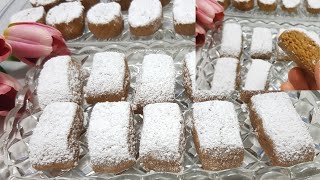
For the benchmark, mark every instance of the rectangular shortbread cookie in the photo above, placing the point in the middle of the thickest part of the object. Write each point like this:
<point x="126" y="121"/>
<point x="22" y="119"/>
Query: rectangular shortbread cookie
<point x="261" y="43"/>
<point x="281" y="55"/>
<point x="280" y="130"/>
<point x="257" y="75"/>
<point x="225" y="76"/>
<point x="216" y="134"/>
<point x="162" y="138"/>
<point x="60" y="80"/>
<point x="156" y="81"/>
<point x="54" y="143"/>
<point x="111" y="137"/>
<point x="231" y="45"/>
<point x="109" y="78"/>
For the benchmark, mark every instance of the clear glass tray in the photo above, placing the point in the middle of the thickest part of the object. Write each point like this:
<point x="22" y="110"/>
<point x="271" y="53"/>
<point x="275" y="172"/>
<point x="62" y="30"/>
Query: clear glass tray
<point x="165" y="33"/>
<point x="256" y="165"/>
<point x="210" y="52"/>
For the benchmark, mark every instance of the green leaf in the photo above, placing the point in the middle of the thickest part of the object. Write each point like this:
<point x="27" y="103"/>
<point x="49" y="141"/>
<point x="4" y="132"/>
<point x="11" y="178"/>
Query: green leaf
<point x="12" y="58"/>
<point x="2" y="70"/>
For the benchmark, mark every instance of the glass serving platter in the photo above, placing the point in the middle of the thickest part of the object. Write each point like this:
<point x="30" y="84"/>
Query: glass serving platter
<point x="301" y="15"/>
<point x="166" y="32"/>
<point x="21" y="121"/>
<point x="210" y="52"/>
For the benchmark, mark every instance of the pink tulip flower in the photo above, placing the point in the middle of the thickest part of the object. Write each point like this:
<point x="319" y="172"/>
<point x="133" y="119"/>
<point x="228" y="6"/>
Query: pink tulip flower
<point x="208" y="13"/>
<point x="8" y="91"/>
<point x="30" y="41"/>
<point x="5" y="49"/>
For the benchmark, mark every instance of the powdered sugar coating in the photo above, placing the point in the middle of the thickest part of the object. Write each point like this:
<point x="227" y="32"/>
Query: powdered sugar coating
<point x="261" y="43"/>
<point x="225" y="75"/>
<point x="184" y="11"/>
<point x="42" y="2"/>
<point x="54" y="140"/>
<point x="242" y="0"/>
<point x="231" y="40"/>
<point x="314" y="4"/>
<point x="144" y="12"/>
<point x="283" y="125"/>
<point x="291" y="3"/>
<point x="190" y="60"/>
<point x="110" y="134"/>
<point x="59" y="81"/>
<point x="217" y="125"/>
<point x="162" y="132"/>
<point x="28" y="15"/>
<point x="156" y="81"/>
<point x="268" y="1"/>
<point x="104" y="13"/>
<point x="257" y="75"/>
<point x="64" y="13"/>
<point x="107" y="74"/>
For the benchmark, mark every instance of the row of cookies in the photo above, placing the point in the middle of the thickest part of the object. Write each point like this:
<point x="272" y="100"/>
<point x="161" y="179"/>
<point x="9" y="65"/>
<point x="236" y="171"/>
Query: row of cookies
<point x="48" y="4"/>
<point x="108" y="81"/>
<point x="262" y="43"/>
<point x="215" y="131"/>
<point x="312" y="6"/>
<point x="105" y="20"/>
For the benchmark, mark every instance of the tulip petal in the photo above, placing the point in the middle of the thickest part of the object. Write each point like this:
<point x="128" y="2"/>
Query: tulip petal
<point x="7" y="102"/>
<point x="200" y="35"/>
<point x="217" y="7"/>
<point x="20" y="49"/>
<point x="59" y="47"/>
<point x="5" y="49"/>
<point x="4" y="89"/>
<point x="30" y="34"/>
<point x="7" y="80"/>
<point x="50" y="29"/>
<point x="28" y="61"/>
<point x="207" y="7"/>
<point x="202" y="17"/>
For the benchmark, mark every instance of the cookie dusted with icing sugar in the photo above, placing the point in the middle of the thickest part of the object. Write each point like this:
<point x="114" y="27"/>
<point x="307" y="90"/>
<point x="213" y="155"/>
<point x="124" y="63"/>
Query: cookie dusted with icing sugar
<point x="109" y="79"/>
<point x="225" y="77"/>
<point x="156" y="81"/>
<point x="280" y="130"/>
<point x="36" y="14"/>
<point x="184" y="16"/>
<point x="243" y="5"/>
<point x="60" y="80"/>
<point x="267" y="5"/>
<point x="189" y="74"/>
<point x="231" y="43"/>
<point x="313" y="6"/>
<point x="145" y="17"/>
<point x="87" y="4"/>
<point x="54" y="144"/>
<point x="111" y="137"/>
<point x="261" y="43"/>
<point x="68" y="18"/>
<point x="47" y="4"/>
<point x="216" y="134"/>
<point x="162" y="138"/>
<point x="290" y="5"/>
<point x="257" y="75"/>
<point x="105" y="20"/>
